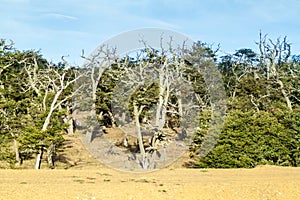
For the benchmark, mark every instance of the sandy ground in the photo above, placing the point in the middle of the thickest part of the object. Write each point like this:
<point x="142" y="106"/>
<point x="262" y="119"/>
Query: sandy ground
<point x="266" y="182"/>
<point x="80" y="176"/>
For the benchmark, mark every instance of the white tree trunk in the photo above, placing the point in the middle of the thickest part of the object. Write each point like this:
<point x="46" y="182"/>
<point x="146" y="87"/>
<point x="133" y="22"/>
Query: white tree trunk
<point x="164" y="93"/>
<point x="52" y="108"/>
<point x="158" y="119"/>
<point x="46" y="124"/>
<point x="70" y="126"/>
<point x="39" y="159"/>
<point x="285" y="95"/>
<point x="180" y="107"/>
<point x="50" y="155"/>
<point x="113" y="121"/>
<point x="91" y="123"/>
<point x="138" y="129"/>
<point x="16" y="148"/>
<point x="69" y="120"/>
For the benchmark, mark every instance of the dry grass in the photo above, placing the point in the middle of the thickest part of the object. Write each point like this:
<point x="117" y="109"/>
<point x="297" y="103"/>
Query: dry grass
<point x="80" y="176"/>
<point x="103" y="183"/>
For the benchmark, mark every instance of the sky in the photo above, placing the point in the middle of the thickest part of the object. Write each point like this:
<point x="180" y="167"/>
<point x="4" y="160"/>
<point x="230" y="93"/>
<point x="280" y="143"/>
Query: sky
<point x="66" y="27"/>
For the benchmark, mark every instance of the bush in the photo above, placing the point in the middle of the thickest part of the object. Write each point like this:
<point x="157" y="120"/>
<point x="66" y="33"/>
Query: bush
<point x="254" y="138"/>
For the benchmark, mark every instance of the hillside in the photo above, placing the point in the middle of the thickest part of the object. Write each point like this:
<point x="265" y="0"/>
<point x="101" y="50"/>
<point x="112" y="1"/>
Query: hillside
<point x="76" y="156"/>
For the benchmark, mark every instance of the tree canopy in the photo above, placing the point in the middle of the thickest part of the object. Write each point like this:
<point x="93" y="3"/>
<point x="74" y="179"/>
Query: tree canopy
<point x="262" y="124"/>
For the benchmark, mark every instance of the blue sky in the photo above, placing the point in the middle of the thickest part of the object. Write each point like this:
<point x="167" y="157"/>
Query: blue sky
<point x="65" y="27"/>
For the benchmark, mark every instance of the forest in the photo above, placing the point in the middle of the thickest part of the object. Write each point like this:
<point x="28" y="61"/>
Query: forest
<point x="257" y="122"/>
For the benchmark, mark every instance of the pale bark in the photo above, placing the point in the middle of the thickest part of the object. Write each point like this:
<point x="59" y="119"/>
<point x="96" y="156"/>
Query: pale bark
<point x="180" y="107"/>
<point x="136" y="112"/>
<point x="70" y="122"/>
<point x="39" y="159"/>
<point x="52" y="108"/>
<point x="17" y="153"/>
<point x="285" y="95"/>
<point x="113" y="121"/>
<point x="272" y="54"/>
<point x="50" y="155"/>
<point x="70" y="126"/>
<point x="164" y="94"/>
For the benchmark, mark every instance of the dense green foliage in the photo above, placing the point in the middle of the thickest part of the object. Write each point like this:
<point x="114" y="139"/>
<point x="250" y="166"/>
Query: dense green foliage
<point x="250" y="138"/>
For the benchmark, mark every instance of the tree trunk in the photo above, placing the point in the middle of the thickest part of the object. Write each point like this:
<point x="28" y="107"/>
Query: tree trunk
<point x="46" y="124"/>
<point x="53" y="104"/>
<point x="285" y="95"/>
<point x="161" y="110"/>
<point x="164" y="107"/>
<point x="113" y="121"/>
<point x="70" y="127"/>
<point x="144" y="159"/>
<point x="159" y="107"/>
<point x="39" y="159"/>
<point x="70" y="121"/>
<point x="92" y="123"/>
<point x="50" y="155"/>
<point x="138" y="129"/>
<point x="234" y="94"/>
<point x="158" y="112"/>
<point x="180" y="107"/>
<point x="164" y="93"/>
<point x="16" y="147"/>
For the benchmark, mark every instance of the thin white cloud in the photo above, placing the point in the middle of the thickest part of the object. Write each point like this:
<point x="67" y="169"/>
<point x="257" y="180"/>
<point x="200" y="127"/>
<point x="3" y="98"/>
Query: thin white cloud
<point x="60" y="16"/>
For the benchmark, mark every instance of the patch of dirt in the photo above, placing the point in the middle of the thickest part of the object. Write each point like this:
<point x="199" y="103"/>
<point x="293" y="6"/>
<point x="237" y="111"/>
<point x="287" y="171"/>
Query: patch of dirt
<point x="75" y="156"/>
<point x="109" y="148"/>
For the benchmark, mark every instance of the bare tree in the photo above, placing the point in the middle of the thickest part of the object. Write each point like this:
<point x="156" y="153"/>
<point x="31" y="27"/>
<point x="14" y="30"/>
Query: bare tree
<point x="95" y="65"/>
<point x="272" y="55"/>
<point x="45" y="81"/>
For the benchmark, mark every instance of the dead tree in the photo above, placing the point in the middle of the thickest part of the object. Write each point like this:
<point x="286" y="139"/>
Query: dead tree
<point x="46" y="81"/>
<point x="95" y="65"/>
<point x="272" y="55"/>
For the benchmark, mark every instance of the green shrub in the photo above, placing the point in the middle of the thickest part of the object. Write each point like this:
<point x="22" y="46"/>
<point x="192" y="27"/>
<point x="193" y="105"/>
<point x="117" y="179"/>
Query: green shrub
<point x="254" y="138"/>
